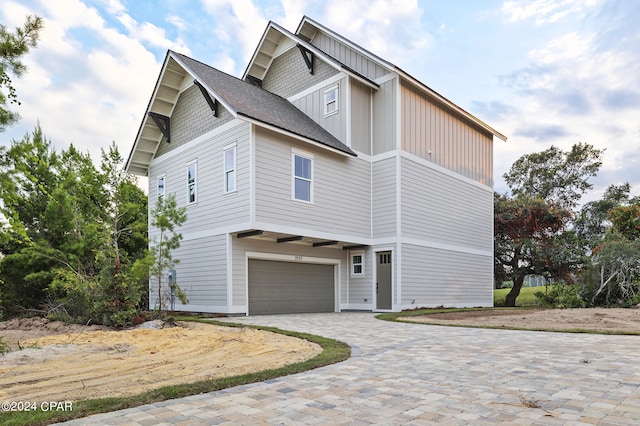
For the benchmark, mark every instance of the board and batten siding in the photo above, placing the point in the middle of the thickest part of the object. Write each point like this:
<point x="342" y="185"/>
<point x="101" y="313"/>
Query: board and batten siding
<point x="213" y="208"/>
<point x="191" y="118"/>
<point x="436" y="277"/>
<point x="349" y="56"/>
<point x="201" y="273"/>
<point x="240" y="247"/>
<point x="312" y="105"/>
<point x="288" y="74"/>
<point x="444" y="209"/>
<point x="360" y="117"/>
<point x="384" y="117"/>
<point x="341" y="188"/>
<point x="436" y="134"/>
<point x="384" y="189"/>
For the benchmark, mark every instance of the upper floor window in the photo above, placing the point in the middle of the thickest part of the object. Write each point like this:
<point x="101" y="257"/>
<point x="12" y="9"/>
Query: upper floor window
<point x="161" y="186"/>
<point x="192" y="188"/>
<point x="230" y="168"/>
<point x="331" y="101"/>
<point x="303" y="177"/>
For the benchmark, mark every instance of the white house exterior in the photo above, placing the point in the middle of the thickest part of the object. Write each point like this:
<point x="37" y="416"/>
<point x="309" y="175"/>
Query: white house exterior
<point x="325" y="179"/>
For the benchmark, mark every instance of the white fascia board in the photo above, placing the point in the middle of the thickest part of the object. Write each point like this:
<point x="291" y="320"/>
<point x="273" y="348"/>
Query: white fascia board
<point x="332" y="62"/>
<point x="146" y="114"/>
<point x="295" y="136"/>
<point x="346" y="41"/>
<point x="211" y="91"/>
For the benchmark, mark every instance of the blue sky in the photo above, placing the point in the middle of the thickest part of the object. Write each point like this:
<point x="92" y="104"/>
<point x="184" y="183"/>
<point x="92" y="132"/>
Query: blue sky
<point x="542" y="72"/>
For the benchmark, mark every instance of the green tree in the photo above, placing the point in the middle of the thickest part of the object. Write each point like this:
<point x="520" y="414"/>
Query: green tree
<point x="613" y="277"/>
<point x="165" y="218"/>
<point x="626" y="221"/>
<point x="75" y="237"/>
<point x="556" y="176"/>
<point x="593" y="219"/>
<point x="531" y="235"/>
<point x="13" y="46"/>
<point x="528" y="241"/>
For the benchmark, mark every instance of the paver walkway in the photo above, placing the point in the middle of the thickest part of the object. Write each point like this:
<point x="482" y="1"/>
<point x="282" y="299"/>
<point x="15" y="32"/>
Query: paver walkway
<point x="414" y="374"/>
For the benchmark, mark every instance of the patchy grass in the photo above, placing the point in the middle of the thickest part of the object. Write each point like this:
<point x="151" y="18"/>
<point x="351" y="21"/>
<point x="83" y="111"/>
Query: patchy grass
<point x="333" y="351"/>
<point x="526" y="298"/>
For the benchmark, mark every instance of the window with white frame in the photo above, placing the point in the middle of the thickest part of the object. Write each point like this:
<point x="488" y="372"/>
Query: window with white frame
<point x="302" y="177"/>
<point x="331" y="101"/>
<point x="192" y="187"/>
<point x="160" y="186"/>
<point x="357" y="263"/>
<point x="230" y="169"/>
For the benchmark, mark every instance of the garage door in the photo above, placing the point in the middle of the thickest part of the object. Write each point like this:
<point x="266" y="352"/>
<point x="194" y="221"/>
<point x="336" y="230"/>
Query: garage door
<point x="288" y="287"/>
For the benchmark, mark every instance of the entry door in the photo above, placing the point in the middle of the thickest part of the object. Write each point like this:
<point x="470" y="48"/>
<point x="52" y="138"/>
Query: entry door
<point x="383" y="277"/>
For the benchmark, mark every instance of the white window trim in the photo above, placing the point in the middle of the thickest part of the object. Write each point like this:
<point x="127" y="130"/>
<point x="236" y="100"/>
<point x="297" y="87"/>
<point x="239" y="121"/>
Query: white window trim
<point x="225" y="170"/>
<point x="362" y="263"/>
<point x="164" y="189"/>
<point x="304" y="154"/>
<point x="335" y="88"/>
<point x="195" y="183"/>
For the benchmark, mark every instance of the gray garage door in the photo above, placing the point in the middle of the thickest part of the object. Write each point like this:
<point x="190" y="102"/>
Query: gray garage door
<point x="287" y="287"/>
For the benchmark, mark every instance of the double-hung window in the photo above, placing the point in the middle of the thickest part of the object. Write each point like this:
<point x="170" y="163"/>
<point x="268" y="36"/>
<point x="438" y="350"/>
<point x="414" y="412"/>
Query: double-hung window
<point x="192" y="184"/>
<point x="302" y="187"/>
<point x="357" y="263"/>
<point x="331" y="101"/>
<point x="230" y="168"/>
<point x="161" y="186"/>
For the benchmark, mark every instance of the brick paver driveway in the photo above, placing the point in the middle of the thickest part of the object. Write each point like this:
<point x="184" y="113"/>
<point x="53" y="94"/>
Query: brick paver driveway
<point x="419" y="374"/>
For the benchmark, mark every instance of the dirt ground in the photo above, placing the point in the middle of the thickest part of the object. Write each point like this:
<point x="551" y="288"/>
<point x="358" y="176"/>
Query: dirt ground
<point x="61" y="362"/>
<point x="596" y="319"/>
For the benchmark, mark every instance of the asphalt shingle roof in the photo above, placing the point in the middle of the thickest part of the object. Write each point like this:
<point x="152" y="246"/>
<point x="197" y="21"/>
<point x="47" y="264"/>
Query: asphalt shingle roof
<point x="258" y="104"/>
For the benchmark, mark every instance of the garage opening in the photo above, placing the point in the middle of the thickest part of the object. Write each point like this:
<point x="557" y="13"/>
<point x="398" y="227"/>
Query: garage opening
<point x="290" y="287"/>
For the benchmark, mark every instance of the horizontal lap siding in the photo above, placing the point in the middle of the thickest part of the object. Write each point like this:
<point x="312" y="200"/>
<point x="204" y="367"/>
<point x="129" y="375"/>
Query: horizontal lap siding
<point x="213" y="209"/>
<point x="342" y="200"/>
<point x="202" y="271"/>
<point x="434" y="133"/>
<point x="384" y="198"/>
<point x="360" y="287"/>
<point x="435" y="277"/>
<point x="440" y="208"/>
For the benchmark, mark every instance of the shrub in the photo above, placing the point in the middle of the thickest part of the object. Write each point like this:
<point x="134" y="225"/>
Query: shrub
<point x="4" y="347"/>
<point x="560" y="295"/>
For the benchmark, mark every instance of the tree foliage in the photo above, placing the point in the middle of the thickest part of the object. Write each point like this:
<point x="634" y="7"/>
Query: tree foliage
<point x="13" y="47"/>
<point x="75" y="234"/>
<point x="556" y="176"/>
<point x="531" y="223"/>
<point x="528" y="241"/>
<point x="166" y="216"/>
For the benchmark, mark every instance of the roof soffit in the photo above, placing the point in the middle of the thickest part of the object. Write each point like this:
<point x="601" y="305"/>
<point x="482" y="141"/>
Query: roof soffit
<point x="267" y="51"/>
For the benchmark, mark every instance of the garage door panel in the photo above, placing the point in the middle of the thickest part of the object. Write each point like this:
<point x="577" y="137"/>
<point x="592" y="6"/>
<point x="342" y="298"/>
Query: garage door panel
<point x="289" y="287"/>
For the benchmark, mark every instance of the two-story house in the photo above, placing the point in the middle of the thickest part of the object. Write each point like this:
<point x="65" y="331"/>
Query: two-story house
<point x="325" y="179"/>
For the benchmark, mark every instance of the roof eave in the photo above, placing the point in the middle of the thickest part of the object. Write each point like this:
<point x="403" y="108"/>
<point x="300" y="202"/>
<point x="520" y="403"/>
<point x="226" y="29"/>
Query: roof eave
<point x="298" y="136"/>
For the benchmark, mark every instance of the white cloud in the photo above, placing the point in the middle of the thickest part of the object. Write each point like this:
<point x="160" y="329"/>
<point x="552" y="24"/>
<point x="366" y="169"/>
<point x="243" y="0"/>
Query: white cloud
<point x="240" y="23"/>
<point x="543" y="11"/>
<point x="391" y="29"/>
<point x="85" y="94"/>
